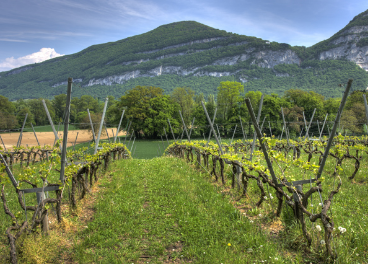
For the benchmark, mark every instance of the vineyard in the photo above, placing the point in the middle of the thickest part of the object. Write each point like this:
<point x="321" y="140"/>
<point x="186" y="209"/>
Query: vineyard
<point x="296" y="200"/>
<point x="298" y="164"/>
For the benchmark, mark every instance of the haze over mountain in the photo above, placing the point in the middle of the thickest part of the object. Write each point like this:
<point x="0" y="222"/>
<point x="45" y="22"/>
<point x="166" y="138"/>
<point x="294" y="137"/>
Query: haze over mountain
<point x="192" y="54"/>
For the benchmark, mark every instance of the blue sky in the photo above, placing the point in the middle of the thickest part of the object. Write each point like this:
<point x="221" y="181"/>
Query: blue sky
<point x="34" y="30"/>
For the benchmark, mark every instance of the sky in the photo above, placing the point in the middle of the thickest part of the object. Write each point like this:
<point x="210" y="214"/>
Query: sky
<point x="34" y="30"/>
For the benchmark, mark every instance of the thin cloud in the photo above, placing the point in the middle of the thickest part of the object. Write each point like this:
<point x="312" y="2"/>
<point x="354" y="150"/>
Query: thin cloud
<point x="141" y="9"/>
<point x="12" y="40"/>
<point x="39" y="34"/>
<point x="86" y="6"/>
<point x="39" y="56"/>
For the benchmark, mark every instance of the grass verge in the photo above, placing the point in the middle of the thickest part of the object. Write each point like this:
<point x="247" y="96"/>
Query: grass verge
<point x="163" y="211"/>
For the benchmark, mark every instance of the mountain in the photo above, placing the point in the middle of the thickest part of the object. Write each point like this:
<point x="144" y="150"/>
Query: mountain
<point x="194" y="55"/>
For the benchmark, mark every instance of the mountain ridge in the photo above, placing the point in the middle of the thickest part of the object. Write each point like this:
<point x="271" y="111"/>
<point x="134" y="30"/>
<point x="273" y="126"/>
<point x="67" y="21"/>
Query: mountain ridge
<point x="179" y="53"/>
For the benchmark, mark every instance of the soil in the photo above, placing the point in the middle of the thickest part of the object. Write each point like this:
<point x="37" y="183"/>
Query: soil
<point x="48" y="138"/>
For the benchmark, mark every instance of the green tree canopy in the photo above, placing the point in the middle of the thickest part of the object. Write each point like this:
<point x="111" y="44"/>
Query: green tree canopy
<point x="7" y="110"/>
<point x="183" y="96"/>
<point x="144" y="105"/>
<point x="309" y="101"/>
<point x="228" y="96"/>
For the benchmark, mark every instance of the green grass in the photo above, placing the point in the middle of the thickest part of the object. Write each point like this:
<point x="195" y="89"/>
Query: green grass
<point x="148" y="149"/>
<point x="161" y="209"/>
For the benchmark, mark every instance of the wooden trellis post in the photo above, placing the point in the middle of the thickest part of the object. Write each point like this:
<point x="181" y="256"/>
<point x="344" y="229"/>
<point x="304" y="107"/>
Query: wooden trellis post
<point x="127" y="131"/>
<point x="320" y="135"/>
<point x="93" y="130"/>
<point x="50" y="120"/>
<point x="212" y="128"/>
<point x="66" y="127"/>
<point x="21" y="131"/>
<point x="286" y="130"/>
<point x="366" y="107"/>
<point x="185" y="128"/>
<point x="255" y="134"/>
<point x="336" y="123"/>
<point x="34" y="132"/>
<point x="101" y="124"/>
<point x="241" y="124"/>
<point x="117" y="131"/>
<point x="310" y="123"/>
<point x="213" y="121"/>
<point x="172" y="132"/>
<point x="3" y="143"/>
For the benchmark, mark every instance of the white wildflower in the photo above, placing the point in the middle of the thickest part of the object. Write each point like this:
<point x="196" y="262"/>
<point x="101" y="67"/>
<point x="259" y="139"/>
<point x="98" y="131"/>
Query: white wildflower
<point x="322" y="242"/>
<point x="318" y="227"/>
<point x="265" y="197"/>
<point x="342" y="230"/>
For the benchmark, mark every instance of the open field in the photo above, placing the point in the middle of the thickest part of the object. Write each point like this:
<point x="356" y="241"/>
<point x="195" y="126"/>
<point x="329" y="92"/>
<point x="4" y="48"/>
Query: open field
<point x="48" y="128"/>
<point x="48" y="138"/>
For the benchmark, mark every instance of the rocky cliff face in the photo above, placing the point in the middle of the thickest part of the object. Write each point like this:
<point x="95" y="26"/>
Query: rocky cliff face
<point x="347" y="47"/>
<point x="265" y="59"/>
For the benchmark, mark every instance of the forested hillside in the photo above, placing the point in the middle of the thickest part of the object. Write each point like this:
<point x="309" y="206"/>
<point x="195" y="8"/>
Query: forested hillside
<point x="190" y="54"/>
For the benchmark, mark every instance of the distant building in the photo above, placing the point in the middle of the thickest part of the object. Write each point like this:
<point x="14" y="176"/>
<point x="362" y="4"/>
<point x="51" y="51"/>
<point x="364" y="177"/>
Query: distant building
<point x="267" y="42"/>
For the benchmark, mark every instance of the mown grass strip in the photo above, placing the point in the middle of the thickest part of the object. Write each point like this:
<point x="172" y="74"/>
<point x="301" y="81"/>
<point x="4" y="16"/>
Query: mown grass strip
<point x="162" y="210"/>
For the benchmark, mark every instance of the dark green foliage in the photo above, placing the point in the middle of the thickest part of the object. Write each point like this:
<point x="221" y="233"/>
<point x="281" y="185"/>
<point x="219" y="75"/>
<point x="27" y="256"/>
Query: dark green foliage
<point x="362" y="42"/>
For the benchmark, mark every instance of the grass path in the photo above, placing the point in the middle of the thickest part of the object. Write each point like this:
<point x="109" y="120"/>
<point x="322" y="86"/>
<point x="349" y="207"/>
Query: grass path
<point x="163" y="211"/>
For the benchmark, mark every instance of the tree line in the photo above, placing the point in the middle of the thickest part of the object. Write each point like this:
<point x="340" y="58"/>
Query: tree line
<point x="149" y="108"/>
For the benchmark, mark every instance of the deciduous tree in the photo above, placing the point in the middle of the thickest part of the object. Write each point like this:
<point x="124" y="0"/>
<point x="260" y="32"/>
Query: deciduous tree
<point x="227" y="97"/>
